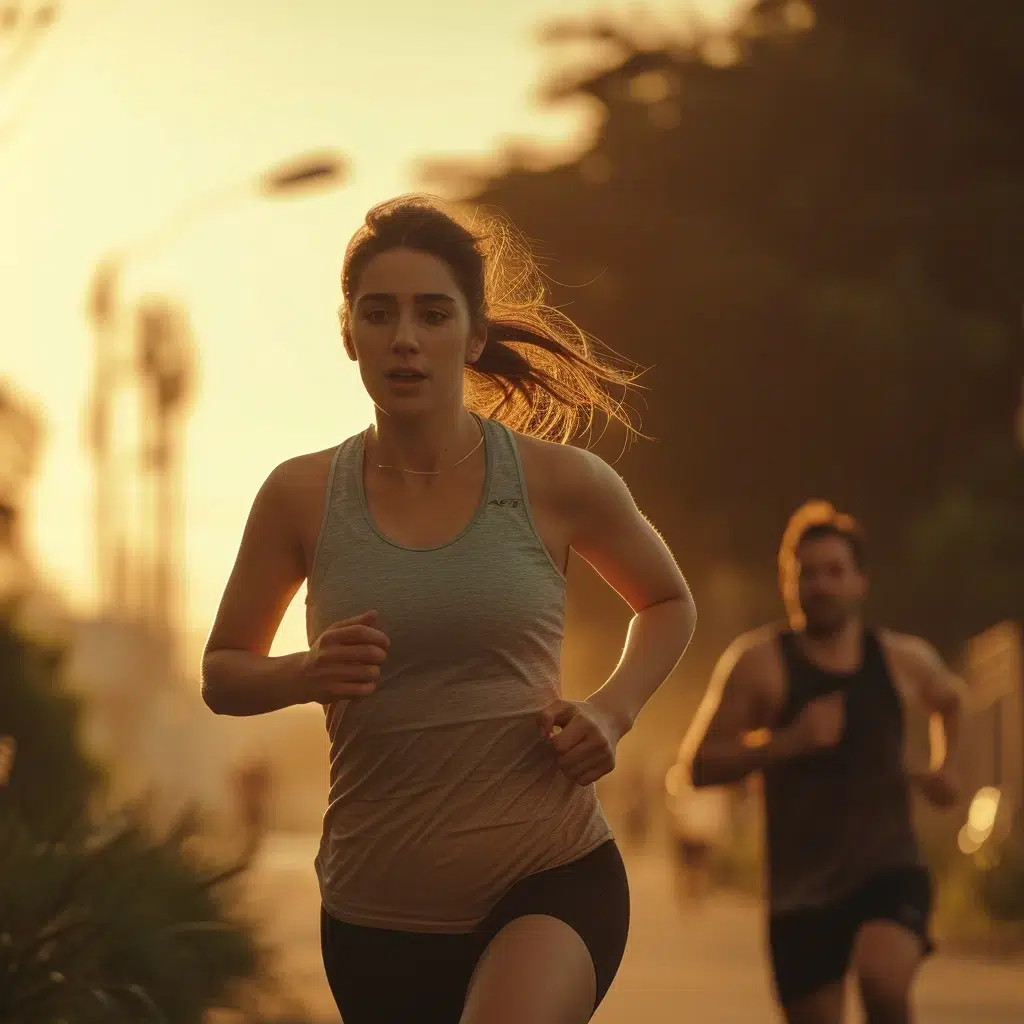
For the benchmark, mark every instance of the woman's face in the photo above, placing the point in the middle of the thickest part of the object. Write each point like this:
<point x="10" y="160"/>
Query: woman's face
<point x="411" y="332"/>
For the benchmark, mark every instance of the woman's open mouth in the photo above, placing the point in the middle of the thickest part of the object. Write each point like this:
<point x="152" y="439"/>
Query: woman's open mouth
<point x="405" y="380"/>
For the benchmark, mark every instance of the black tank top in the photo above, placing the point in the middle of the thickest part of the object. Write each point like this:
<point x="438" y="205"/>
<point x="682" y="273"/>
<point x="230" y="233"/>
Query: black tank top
<point x="835" y="817"/>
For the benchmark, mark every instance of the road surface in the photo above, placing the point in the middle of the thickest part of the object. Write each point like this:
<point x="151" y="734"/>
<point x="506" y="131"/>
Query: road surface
<point x="702" y="966"/>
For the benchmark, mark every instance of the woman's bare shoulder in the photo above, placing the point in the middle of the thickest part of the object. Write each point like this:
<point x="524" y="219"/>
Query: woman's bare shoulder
<point x="564" y="468"/>
<point x="296" y="487"/>
<point x="301" y="473"/>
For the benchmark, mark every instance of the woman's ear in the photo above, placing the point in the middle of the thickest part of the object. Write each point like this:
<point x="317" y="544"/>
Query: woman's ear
<point x="477" y="344"/>
<point x="346" y="335"/>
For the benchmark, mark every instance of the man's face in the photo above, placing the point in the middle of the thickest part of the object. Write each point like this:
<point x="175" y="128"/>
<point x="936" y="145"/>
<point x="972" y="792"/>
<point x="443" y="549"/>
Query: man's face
<point x="830" y="587"/>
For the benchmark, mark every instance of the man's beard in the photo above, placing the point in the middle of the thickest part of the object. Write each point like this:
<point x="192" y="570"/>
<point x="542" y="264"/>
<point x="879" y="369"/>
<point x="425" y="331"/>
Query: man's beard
<point x="828" y="621"/>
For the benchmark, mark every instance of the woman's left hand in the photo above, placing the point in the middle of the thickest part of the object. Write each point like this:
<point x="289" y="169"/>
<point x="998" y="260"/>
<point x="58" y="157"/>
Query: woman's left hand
<point x="583" y="737"/>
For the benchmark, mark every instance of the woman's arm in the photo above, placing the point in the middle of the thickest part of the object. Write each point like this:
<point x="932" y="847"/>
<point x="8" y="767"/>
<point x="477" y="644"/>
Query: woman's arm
<point x="238" y="677"/>
<point x="610" y="532"/>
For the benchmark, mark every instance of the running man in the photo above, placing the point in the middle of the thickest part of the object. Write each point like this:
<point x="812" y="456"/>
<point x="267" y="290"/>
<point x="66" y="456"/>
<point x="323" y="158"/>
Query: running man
<point x="818" y="707"/>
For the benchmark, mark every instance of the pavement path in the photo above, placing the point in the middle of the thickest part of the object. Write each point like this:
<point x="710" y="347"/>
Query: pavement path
<point x="699" y="966"/>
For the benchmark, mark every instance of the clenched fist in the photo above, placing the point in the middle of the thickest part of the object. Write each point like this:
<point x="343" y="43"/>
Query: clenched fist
<point x="819" y="725"/>
<point x="938" y="786"/>
<point x="583" y="738"/>
<point x="344" y="661"/>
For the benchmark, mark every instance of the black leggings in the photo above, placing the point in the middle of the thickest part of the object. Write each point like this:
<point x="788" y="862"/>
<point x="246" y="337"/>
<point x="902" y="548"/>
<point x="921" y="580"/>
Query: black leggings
<point x="379" y="976"/>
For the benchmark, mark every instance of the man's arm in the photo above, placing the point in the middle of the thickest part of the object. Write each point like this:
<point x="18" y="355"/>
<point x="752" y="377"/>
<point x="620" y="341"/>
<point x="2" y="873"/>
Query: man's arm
<point x="730" y="736"/>
<point x="938" y="690"/>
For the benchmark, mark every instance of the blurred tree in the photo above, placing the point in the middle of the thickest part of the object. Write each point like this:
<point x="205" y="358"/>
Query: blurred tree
<point x="102" y="921"/>
<point x="811" y="226"/>
<point x="51" y="779"/>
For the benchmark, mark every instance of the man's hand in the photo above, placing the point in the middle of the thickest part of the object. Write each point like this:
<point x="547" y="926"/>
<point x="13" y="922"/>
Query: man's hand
<point x="818" y="726"/>
<point x="938" y="786"/>
<point x="583" y="737"/>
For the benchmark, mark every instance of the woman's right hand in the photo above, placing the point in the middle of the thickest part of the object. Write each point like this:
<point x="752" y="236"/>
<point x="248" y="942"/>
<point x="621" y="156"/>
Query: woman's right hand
<point x="344" y="661"/>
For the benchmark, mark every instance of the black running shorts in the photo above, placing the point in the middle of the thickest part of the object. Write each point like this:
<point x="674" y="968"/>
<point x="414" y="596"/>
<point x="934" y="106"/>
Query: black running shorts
<point x="811" y="948"/>
<point x="379" y="976"/>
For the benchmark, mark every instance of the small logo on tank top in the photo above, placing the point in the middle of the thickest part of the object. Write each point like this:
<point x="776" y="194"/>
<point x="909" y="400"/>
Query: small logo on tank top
<point x="504" y="502"/>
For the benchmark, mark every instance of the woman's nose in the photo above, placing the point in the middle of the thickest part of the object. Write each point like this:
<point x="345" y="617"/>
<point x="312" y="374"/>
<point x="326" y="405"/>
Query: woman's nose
<point x="405" y="339"/>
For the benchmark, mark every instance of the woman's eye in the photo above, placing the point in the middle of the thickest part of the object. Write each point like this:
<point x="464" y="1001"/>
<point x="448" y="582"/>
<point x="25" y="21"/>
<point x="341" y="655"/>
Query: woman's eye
<point x="434" y="317"/>
<point x="376" y="316"/>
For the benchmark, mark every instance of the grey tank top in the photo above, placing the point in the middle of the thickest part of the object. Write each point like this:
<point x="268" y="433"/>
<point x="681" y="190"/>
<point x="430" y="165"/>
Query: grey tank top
<point x="443" y="794"/>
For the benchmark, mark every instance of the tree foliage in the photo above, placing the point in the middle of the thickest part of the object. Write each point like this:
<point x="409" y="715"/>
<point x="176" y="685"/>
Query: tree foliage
<point x="101" y="921"/>
<point x="52" y="780"/>
<point x="812" y="229"/>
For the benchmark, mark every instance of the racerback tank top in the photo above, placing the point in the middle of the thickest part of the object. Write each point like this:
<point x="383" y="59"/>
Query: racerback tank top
<point x="443" y="793"/>
<point x="835" y="817"/>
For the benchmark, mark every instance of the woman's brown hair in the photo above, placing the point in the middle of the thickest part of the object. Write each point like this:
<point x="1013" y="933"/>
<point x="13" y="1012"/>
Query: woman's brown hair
<point x="538" y="373"/>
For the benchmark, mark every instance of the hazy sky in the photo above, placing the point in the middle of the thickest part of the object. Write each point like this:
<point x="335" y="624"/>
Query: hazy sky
<point x="136" y="109"/>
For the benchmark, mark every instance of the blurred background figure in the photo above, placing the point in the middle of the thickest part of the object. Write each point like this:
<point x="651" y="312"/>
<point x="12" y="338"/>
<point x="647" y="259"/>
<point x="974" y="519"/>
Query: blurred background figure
<point x="700" y="822"/>
<point x="635" y="811"/>
<point x="253" y="782"/>
<point x="819" y="706"/>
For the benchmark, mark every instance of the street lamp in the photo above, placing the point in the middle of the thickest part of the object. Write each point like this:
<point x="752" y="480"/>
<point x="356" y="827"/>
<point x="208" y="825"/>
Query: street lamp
<point x="312" y="172"/>
<point x="160" y="355"/>
<point x="317" y="170"/>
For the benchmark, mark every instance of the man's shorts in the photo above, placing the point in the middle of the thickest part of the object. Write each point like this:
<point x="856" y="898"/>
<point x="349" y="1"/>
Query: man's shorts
<point x="811" y="948"/>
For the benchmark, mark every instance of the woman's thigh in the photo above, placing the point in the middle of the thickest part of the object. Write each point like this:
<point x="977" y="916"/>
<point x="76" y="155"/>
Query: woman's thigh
<point x="535" y="969"/>
<point x="390" y="977"/>
<point x="559" y="934"/>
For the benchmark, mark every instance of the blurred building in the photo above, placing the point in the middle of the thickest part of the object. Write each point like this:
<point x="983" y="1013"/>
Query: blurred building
<point x="143" y="717"/>
<point x="993" y="740"/>
<point x="150" y="724"/>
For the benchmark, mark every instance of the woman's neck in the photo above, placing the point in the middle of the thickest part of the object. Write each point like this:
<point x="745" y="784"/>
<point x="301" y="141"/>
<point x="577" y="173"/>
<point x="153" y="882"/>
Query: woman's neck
<point x="423" y="444"/>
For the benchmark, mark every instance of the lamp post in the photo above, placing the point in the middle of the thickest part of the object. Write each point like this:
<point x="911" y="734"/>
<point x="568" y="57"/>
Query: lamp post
<point x="165" y="366"/>
<point x="157" y="350"/>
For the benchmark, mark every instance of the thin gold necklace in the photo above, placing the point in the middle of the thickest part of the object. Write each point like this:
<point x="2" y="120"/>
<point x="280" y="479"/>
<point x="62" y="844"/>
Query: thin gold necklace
<point x="426" y="472"/>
